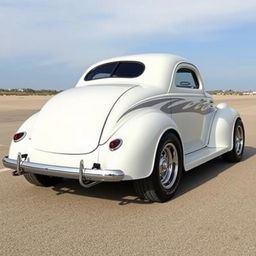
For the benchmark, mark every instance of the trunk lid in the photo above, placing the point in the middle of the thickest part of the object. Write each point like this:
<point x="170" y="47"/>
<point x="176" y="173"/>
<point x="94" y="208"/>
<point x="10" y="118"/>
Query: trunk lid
<point x="72" y="121"/>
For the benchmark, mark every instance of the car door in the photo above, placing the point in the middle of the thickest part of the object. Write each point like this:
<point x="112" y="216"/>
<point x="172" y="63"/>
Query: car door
<point x="192" y="109"/>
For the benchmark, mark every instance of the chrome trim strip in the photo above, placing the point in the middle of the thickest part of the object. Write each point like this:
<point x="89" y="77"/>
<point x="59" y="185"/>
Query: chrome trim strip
<point x="65" y="172"/>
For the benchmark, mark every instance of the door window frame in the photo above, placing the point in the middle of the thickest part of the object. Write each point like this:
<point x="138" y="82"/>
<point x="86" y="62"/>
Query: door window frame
<point x="174" y="89"/>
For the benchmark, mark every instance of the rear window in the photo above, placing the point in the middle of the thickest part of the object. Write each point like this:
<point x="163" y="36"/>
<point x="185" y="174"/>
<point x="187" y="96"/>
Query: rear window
<point x="122" y="69"/>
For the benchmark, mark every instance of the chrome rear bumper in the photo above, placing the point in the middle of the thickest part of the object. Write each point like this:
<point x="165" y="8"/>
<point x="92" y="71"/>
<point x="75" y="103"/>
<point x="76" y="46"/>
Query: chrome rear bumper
<point x="79" y="173"/>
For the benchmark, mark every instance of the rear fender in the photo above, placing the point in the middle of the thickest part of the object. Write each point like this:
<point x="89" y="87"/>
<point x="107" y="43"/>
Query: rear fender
<point x="140" y="135"/>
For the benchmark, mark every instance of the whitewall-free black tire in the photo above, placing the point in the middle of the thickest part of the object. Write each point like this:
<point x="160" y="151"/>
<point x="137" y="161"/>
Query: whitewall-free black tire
<point x="42" y="180"/>
<point x="162" y="184"/>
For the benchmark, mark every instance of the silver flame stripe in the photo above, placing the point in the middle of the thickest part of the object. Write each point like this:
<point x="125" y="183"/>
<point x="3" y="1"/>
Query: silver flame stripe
<point x="176" y="105"/>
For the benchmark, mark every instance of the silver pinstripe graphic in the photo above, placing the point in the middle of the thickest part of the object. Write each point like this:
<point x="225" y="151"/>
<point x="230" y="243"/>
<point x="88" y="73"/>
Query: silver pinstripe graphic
<point x="175" y="105"/>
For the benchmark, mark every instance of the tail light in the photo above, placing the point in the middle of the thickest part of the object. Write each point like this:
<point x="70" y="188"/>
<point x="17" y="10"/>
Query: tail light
<point x="19" y="136"/>
<point x="115" y="144"/>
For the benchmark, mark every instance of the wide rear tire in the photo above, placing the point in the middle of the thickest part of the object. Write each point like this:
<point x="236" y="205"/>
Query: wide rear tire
<point x="162" y="184"/>
<point x="42" y="180"/>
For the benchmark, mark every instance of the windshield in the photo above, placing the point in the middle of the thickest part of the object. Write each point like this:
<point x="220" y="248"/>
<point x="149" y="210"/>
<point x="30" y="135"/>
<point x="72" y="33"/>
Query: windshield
<point x="124" y="69"/>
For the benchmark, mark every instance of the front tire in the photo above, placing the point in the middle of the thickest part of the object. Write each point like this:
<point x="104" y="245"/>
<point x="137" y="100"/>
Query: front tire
<point x="42" y="180"/>
<point x="235" y="155"/>
<point x="162" y="184"/>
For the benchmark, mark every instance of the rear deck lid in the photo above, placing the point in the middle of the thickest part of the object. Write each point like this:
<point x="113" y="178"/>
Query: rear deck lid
<point x="72" y="121"/>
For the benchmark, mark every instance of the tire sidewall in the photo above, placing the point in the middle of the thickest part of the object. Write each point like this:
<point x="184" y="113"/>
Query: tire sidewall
<point x="238" y="123"/>
<point x="162" y="193"/>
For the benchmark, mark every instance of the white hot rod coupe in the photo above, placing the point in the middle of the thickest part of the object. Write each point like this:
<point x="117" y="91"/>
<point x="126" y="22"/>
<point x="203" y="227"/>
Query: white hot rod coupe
<point x="145" y="118"/>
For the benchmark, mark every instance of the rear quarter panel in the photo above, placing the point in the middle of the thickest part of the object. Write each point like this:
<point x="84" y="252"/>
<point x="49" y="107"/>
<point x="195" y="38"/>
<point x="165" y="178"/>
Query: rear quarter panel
<point x="141" y="134"/>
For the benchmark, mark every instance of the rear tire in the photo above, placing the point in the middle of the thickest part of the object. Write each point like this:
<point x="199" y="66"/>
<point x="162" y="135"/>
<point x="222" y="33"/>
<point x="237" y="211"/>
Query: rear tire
<point x="162" y="184"/>
<point x="42" y="180"/>
<point x="235" y="155"/>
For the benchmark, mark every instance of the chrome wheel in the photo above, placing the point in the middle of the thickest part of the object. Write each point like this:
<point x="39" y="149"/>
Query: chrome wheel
<point x="164" y="181"/>
<point x="239" y="139"/>
<point x="168" y="165"/>
<point x="235" y="155"/>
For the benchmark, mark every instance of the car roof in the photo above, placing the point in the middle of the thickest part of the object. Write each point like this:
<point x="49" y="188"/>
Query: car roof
<point x="158" y="70"/>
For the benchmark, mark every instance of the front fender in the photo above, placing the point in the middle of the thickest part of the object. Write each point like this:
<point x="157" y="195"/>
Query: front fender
<point x="141" y="135"/>
<point x="223" y="127"/>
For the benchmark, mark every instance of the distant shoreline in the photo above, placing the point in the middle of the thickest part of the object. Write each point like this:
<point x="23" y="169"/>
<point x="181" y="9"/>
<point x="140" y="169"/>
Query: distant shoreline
<point x="52" y="94"/>
<point x="26" y="94"/>
<point x="22" y="93"/>
<point x="42" y="92"/>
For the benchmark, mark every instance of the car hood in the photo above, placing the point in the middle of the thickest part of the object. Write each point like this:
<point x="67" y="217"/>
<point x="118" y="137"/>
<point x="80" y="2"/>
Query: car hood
<point x="72" y="122"/>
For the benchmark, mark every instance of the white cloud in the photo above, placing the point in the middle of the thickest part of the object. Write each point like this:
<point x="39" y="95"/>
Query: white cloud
<point x="79" y="32"/>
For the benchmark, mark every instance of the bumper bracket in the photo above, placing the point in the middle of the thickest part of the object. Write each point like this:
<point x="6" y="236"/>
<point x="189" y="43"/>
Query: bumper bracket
<point x="83" y="182"/>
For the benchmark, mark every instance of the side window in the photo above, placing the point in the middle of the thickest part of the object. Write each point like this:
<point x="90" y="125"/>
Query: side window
<point x="186" y="78"/>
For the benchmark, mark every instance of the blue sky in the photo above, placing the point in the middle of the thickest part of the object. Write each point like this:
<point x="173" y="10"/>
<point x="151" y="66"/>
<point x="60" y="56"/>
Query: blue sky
<point x="48" y="44"/>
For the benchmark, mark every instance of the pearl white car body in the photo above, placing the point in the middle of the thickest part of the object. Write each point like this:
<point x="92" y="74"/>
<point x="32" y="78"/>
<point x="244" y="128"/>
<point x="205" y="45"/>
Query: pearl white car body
<point x="70" y="136"/>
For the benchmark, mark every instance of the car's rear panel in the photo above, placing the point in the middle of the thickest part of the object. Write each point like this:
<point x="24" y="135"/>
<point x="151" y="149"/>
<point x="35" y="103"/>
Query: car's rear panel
<point x="72" y="122"/>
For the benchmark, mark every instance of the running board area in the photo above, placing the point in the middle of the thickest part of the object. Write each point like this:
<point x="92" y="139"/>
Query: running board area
<point x="203" y="155"/>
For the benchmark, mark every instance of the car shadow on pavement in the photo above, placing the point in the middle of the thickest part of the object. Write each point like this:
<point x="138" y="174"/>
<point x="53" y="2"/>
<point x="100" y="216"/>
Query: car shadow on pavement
<point x="123" y="192"/>
<point x="205" y="172"/>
